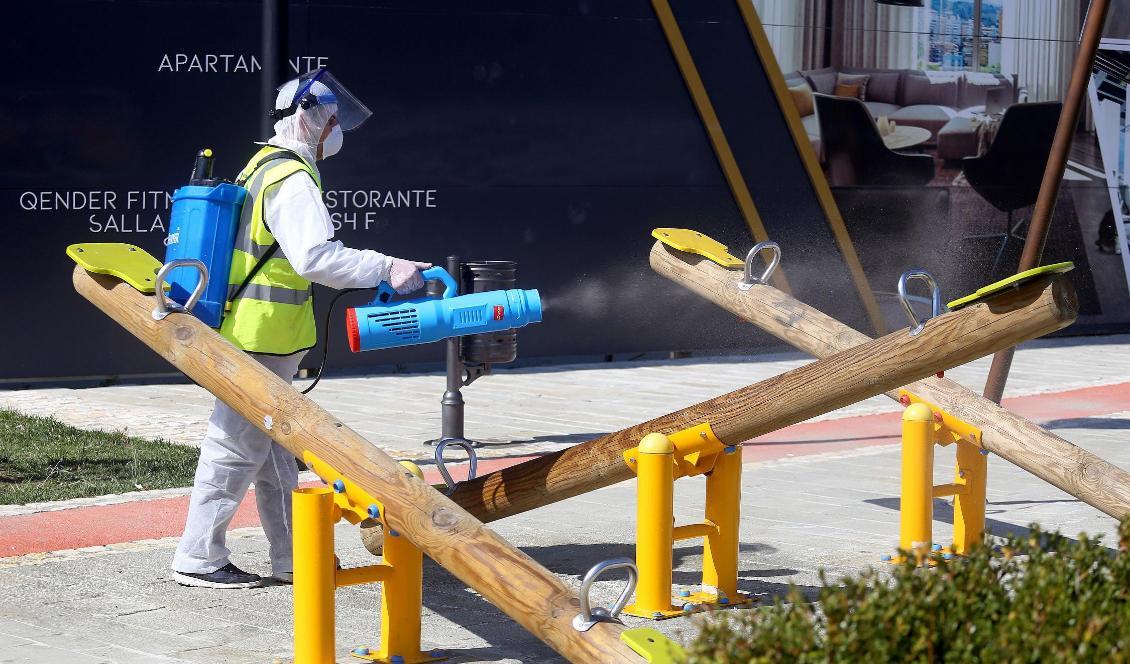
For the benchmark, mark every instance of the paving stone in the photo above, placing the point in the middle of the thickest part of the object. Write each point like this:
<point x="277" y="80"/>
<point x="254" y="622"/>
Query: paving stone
<point x="41" y="653"/>
<point x="836" y="511"/>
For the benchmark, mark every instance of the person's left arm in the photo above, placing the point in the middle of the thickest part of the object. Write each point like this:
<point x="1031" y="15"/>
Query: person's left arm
<point x="300" y="222"/>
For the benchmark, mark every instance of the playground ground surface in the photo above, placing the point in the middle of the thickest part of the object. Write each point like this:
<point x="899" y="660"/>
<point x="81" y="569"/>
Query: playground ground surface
<point x="87" y="580"/>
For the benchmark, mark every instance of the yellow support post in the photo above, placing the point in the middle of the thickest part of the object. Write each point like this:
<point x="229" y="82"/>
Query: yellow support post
<point x="401" y="575"/>
<point x="723" y="509"/>
<point x="916" y="509"/>
<point x="313" y="522"/>
<point x="402" y="594"/>
<point x="969" y="504"/>
<point x="655" y="491"/>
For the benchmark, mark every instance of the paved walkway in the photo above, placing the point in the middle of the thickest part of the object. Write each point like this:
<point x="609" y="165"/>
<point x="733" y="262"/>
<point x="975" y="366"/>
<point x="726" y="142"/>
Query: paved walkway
<point x="821" y="494"/>
<point x="541" y="409"/>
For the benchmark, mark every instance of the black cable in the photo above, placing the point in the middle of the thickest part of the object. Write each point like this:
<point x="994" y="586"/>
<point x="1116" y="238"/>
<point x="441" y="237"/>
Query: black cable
<point x="326" y="328"/>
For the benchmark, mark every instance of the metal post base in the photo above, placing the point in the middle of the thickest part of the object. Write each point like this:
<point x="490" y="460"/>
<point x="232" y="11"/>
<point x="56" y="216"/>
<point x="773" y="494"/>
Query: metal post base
<point x="414" y="658"/>
<point x="432" y="442"/>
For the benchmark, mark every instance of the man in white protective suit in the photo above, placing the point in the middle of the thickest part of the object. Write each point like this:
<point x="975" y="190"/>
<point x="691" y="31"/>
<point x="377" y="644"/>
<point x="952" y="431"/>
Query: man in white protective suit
<point x="284" y="243"/>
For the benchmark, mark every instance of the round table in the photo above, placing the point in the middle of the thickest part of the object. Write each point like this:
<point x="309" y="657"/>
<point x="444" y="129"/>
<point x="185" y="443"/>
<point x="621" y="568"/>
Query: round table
<point x="905" y="137"/>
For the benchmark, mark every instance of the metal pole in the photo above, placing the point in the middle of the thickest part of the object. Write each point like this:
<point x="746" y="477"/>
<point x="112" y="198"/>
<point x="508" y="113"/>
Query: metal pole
<point x="451" y="407"/>
<point x="1053" y="173"/>
<point x="274" y="60"/>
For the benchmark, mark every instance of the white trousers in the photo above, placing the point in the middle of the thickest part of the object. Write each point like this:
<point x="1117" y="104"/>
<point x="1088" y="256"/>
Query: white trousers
<point x="233" y="454"/>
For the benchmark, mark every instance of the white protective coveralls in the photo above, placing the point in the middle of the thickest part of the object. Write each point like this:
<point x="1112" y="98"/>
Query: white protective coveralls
<point x="234" y="452"/>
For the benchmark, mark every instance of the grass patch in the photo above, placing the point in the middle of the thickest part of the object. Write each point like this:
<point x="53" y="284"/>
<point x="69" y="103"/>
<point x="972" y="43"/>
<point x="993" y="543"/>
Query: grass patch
<point x="42" y="459"/>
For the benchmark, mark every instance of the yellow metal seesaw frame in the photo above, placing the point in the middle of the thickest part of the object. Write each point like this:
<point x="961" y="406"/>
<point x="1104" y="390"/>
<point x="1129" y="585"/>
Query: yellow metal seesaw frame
<point x="657" y="462"/>
<point x="923" y="426"/>
<point x="317" y="574"/>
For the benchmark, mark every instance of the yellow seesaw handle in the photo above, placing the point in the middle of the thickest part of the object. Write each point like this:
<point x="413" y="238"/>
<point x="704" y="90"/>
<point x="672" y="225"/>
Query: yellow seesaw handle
<point x="693" y="242"/>
<point x="1014" y="281"/>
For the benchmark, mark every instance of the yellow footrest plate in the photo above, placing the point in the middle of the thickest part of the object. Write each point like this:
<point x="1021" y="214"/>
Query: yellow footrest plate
<point x="1013" y="281"/>
<point x="653" y="646"/>
<point x="128" y="262"/>
<point x="693" y="242"/>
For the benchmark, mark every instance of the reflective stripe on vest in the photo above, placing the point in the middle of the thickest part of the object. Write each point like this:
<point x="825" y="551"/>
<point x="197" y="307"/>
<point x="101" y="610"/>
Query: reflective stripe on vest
<point x="274" y="313"/>
<point x="255" y="291"/>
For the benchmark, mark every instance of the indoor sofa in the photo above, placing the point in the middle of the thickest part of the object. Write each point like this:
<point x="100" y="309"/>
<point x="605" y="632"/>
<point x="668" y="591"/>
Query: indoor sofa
<point x="942" y="102"/>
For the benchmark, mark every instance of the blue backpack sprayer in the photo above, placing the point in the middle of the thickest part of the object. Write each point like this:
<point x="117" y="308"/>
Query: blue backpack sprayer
<point x="203" y="223"/>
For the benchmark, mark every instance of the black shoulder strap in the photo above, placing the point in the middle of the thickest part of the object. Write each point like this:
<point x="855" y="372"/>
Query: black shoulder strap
<point x="255" y="270"/>
<point x="283" y="153"/>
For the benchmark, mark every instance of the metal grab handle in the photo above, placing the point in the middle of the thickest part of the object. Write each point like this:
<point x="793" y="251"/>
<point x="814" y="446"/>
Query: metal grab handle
<point x="472" y="457"/>
<point x="937" y="307"/>
<point x="748" y="280"/>
<point x="166" y="306"/>
<point x="589" y="616"/>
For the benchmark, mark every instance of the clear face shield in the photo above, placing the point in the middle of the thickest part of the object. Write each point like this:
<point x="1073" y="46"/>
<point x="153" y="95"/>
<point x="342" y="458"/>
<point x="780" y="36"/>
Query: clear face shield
<point x="320" y="88"/>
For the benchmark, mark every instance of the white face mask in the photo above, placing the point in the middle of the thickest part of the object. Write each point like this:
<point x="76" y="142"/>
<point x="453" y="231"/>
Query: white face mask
<point x="332" y="144"/>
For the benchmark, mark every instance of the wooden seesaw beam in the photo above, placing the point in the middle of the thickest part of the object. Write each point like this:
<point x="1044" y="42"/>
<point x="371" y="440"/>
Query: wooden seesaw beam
<point x="505" y="576"/>
<point x="854" y="374"/>
<point x="1006" y="434"/>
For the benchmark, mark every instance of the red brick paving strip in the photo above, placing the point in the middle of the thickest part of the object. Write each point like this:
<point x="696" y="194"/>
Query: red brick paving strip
<point x="151" y="519"/>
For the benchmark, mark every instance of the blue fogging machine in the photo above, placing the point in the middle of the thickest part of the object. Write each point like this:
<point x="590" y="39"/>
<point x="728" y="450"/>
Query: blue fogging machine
<point x="386" y="324"/>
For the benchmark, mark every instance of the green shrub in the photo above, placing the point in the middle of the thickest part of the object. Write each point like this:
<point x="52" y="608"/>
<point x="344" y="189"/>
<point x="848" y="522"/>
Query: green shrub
<point x="1039" y="598"/>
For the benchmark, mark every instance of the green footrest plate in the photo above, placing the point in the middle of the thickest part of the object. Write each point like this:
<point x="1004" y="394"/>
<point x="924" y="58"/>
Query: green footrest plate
<point x="1014" y="281"/>
<point x="653" y="646"/>
<point x="128" y="262"/>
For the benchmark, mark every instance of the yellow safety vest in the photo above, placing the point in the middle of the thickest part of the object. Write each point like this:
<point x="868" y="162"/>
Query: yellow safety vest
<point x="274" y="314"/>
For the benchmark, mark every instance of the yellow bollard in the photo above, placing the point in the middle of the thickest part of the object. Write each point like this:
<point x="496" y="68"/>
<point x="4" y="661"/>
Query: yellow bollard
<point x="916" y="509"/>
<point x="655" y="491"/>
<point x="313" y="521"/>
<point x="723" y="509"/>
<point x="969" y="504"/>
